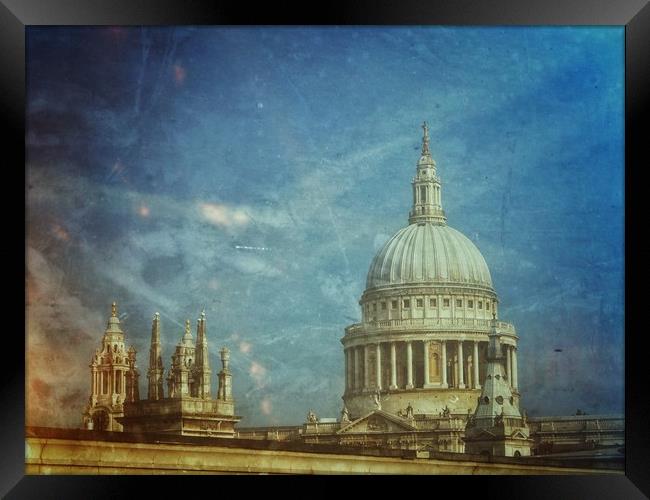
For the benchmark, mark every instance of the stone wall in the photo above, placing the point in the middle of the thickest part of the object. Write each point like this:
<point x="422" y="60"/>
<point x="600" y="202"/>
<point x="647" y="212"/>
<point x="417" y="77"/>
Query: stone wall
<point x="72" y="451"/>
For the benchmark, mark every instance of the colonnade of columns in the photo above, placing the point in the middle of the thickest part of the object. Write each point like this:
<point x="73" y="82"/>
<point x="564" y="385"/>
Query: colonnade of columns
<point x="460" y="372"/>
<point x="105" y="382"/>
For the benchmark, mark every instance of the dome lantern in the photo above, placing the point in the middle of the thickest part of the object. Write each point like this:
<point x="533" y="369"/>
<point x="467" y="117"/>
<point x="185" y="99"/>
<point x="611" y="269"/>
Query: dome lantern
<point x="427" y="200"/>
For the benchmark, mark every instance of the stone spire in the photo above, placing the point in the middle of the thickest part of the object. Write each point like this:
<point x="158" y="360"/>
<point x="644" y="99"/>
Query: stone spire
<point x="427" y="202"/>
<point x="203" y="371"/>
<point x="155" y="374"/>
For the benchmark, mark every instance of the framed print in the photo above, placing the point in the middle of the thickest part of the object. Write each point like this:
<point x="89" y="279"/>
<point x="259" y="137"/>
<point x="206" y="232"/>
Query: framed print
<point x="369" y="245"/>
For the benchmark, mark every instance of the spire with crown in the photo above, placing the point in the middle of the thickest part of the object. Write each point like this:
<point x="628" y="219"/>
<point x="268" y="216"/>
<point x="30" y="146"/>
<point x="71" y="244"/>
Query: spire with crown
<point x="427" y="202"/>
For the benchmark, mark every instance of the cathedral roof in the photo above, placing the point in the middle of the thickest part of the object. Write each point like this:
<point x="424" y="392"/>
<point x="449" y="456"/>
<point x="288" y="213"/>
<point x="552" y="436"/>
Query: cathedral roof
<point x="427" y="253"/>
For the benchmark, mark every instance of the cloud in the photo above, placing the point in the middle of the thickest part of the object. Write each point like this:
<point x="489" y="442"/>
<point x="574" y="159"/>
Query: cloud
<point x="59" y="348"/>
<point x="266" y="406"/>
<point x="223" y="215"/>
<point x="258" y="373"/>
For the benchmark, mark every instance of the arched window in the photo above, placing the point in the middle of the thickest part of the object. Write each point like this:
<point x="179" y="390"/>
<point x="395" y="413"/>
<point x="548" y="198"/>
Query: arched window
<point x="423" y="194"/>
<point x="517" y="453"/>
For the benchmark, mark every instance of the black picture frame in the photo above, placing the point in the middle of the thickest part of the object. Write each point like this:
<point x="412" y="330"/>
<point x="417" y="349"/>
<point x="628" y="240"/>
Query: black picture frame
<point x="15" y="15"/>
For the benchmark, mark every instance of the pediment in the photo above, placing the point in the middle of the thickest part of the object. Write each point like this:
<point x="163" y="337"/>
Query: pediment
<point x="377" y="421"/>
<point x="517" y="434"/>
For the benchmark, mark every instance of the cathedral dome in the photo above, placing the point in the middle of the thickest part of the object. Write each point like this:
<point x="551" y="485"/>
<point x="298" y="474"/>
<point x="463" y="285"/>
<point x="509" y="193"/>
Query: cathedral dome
<point x="428" y="253"/>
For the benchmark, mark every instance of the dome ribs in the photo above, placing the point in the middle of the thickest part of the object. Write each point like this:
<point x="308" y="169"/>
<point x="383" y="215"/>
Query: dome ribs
<point x="428" y="253"/>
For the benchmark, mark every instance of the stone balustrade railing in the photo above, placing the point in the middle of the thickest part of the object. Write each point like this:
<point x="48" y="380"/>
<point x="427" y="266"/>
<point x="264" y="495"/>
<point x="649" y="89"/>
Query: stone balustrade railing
<point x="433" y="323"/>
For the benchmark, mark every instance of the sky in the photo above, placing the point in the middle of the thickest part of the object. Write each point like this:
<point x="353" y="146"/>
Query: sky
<point x="254" y="173"/>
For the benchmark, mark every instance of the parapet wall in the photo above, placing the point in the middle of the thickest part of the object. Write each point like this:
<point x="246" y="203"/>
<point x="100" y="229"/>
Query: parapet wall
<point x="72" y="451"/>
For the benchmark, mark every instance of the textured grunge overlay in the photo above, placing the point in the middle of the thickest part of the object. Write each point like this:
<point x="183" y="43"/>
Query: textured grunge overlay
<point x="254" y="172"/>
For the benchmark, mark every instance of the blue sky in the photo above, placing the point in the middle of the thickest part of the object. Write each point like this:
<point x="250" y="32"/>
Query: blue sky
<point x="256" y="171"/>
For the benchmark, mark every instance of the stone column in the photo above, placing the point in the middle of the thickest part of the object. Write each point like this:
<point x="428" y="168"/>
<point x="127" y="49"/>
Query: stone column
<point x="461" y="366"/>
<point x="393" y="366"/>
<point x="351" y="368"/>
<point x="514" y="369"/>
<point x="378" y="365"/>
<point x="409" y="365"/>
<point x="475" y="362"/>
<point x="357" y="369"/>
<point x="347" y="369"/>
<point x="509" y="364"/>
<point x="366" y="368"/>
<point x="443" y="362"/>
<point x="427" y="380"/>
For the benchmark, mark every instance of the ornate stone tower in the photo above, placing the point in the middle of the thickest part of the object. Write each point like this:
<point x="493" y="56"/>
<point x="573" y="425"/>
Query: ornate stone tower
<point x="155" y="373"/>
<point x="114" y="379"/>
<point x="425" y="315"/>
<point x="497" y="427"/>
<point x="180" y="379"/>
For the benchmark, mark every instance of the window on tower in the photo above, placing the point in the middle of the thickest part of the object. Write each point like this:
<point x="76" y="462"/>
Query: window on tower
<point x="393" y="304"/>
<point x="383" y="306"/>
<point x="445" y="302"/>
<point x="419" y="302"/>
<point x="470" y="304"/>
<point x="407" y="303"/>
<point x="459" y="302"/>
<point x="433" y="303"/>
<point x="480" y="304"/>
<point x="423" y="194"/>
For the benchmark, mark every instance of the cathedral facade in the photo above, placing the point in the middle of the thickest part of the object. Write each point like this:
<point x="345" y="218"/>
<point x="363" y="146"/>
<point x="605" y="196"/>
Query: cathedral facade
<point x="188" y="409"/>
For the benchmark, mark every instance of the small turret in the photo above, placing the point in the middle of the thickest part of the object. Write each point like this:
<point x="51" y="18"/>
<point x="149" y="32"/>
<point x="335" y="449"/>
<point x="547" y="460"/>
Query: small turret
<point x="225" y="377"/>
